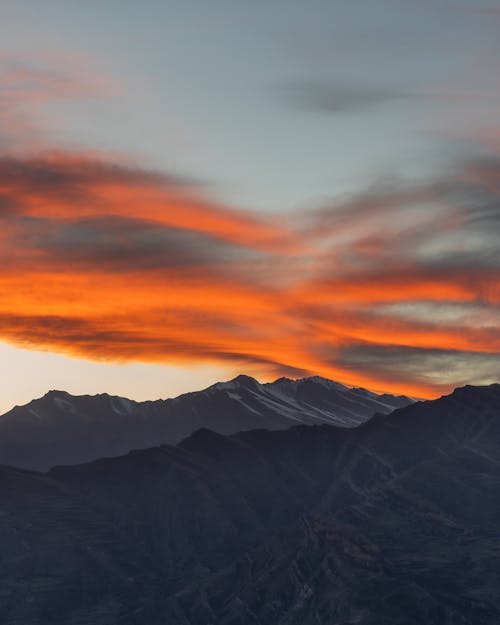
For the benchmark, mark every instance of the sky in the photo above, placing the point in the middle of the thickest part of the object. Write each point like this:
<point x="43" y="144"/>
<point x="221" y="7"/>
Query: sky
<point x="190" y="190"/>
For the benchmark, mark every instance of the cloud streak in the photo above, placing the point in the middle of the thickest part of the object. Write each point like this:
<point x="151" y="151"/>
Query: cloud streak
<point x="26" y="89"/>
<point x="340" y="97"/>
<point x="61" y="186"/>
<point x="107" y="261"/>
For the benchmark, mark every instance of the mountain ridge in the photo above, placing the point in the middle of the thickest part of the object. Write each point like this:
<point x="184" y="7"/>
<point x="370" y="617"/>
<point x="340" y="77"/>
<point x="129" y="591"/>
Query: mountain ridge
<point x="60" y="428"/>
<point x="394" y="522"/>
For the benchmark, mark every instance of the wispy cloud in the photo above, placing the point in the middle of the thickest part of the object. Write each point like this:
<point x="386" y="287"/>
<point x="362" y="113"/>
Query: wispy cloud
<point x="104" y="260"/>
<point x="344" y="96"/>
<point x="69" y="184"/>
<point x="27" y="88"/>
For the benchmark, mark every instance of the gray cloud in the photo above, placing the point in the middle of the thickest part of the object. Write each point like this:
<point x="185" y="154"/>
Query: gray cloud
<point x="448" y="225"/>
<point x="118" y="244"/>
<point x="343" y="97"/>
<point x="440" y="367"/>
<point x="71" y="179"/>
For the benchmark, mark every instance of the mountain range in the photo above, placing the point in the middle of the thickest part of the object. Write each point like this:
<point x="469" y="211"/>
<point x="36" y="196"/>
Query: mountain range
<point x="60" y="428"/>
<point x="394" y="521"/>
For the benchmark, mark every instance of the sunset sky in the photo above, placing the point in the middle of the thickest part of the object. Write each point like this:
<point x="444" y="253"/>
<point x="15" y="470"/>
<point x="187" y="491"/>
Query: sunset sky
<point x="190" y="190"/>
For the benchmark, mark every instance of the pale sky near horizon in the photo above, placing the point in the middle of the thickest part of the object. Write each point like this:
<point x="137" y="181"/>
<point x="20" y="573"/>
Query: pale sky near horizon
<point x="272" y="109"/>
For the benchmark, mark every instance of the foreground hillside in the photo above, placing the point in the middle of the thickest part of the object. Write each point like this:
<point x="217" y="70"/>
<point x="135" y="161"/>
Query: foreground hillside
<point x="393" y="522"/>
<point x="60" y="428"/>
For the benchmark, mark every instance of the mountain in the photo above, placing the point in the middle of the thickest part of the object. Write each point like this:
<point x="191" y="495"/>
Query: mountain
<point x="62" y="429"/>
<point x="394" y="521"/>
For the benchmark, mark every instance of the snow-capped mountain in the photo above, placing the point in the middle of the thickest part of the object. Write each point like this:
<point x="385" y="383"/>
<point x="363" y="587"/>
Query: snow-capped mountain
<point x="60" y="428"/>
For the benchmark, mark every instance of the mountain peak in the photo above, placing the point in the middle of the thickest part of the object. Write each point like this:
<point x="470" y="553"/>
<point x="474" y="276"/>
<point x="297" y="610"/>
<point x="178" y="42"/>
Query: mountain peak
<point x="317" y="379"/>
<point x="85" y="427"/>
<point x="204" y="439"/>
<point x="56" y="393"/>
<point x="245" y="380"/>
<point x="284" y="382"/>
<point x="311" y="378"/>
<point x="239" y="381"/>
<point x="469" y="390"/>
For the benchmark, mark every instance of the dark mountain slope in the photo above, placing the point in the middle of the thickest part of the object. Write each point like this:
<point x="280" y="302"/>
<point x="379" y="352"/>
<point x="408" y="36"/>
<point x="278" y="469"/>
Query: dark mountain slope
<point x="393" y="522"/>
<point x="63" y="429"/>
<point x="407" y="532"/>
<point x="61" y="561"/>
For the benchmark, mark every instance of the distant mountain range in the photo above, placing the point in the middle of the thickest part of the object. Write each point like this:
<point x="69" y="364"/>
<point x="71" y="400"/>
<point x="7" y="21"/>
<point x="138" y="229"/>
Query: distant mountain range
<point x="60" y="428"/>
<point x="395" y="521"/>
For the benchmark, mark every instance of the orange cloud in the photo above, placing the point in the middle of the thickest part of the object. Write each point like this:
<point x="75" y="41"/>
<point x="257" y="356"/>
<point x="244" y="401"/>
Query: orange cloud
<point x="66" y="186"/>
<point x="102" y="260"/>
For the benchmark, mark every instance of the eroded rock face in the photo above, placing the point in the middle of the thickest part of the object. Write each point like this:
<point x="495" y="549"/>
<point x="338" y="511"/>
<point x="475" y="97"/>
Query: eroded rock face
<point x="393" y="522"/>
<point x="60" y="428"/>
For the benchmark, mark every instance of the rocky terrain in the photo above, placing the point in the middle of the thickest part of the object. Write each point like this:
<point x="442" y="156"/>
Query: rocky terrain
<point x="394" y="522"/>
